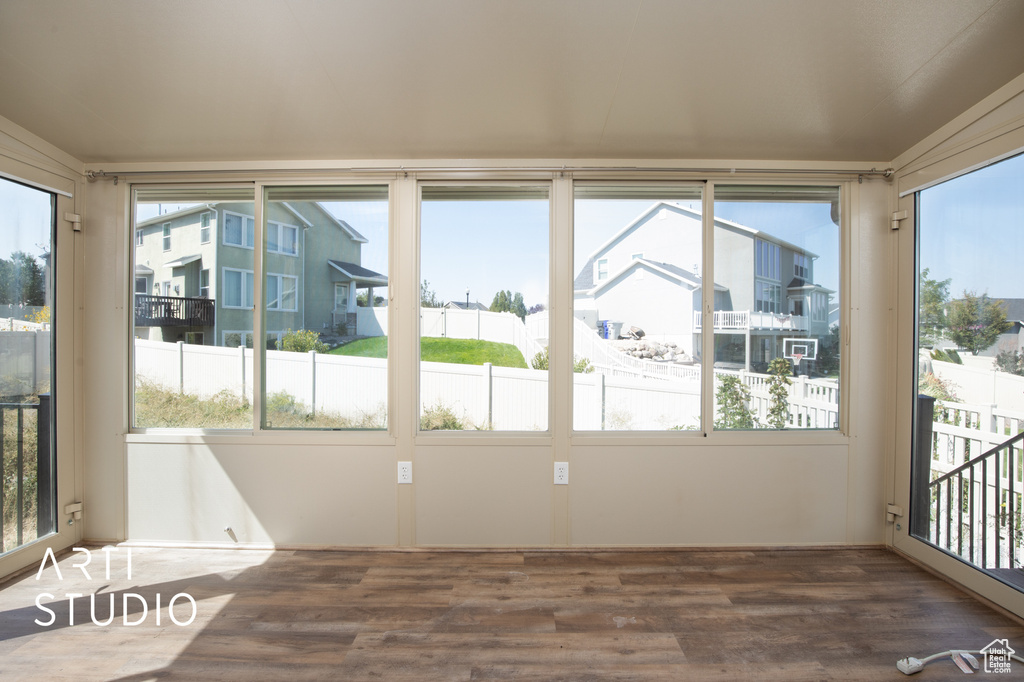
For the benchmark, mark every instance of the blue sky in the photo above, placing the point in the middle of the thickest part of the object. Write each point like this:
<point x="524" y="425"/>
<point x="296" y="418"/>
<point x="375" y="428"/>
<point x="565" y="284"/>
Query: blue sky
<point x="972" y="231"/>
<point x="25" y="219"/>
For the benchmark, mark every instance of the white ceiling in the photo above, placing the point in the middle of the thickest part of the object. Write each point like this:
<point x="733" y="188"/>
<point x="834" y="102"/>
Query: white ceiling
<point x="203" y="80"/>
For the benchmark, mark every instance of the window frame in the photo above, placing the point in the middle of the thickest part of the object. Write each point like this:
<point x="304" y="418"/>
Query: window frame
<point x="246" y="235"/>
<point x="166" y="232"/>
<point x="281" y="291"/>
<point x="204" y="230"/>
<point x="243" y="290"/>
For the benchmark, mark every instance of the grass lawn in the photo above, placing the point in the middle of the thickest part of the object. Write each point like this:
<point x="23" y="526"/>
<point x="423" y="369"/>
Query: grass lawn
<point x="459" y="351"/>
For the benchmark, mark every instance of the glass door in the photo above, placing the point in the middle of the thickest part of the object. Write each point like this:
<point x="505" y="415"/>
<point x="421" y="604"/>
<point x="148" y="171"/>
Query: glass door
<point x="967" y="476"/>
<point x="27" y="496"/>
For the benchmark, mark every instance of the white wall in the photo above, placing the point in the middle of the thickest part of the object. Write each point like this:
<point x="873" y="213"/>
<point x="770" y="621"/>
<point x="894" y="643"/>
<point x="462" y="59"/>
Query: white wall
<point x="333" y="488"/>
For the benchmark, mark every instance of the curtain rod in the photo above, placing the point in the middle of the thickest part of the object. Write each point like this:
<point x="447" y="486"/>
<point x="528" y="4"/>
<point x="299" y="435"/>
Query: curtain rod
<point x="92" y="175"/>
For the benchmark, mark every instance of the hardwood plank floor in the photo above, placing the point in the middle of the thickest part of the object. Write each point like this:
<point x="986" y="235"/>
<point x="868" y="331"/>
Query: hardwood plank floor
<point x="842" y="614"/>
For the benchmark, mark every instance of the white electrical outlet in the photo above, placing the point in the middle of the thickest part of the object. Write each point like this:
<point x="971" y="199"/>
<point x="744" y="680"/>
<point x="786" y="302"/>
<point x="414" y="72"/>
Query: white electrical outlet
<point x="405" y="472"/>
<point x="561" y="473"/>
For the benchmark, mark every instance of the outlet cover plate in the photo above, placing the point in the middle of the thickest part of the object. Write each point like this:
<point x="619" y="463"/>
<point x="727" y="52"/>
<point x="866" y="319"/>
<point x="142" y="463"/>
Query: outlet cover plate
<point x="561" y="473"/>
<point x="405" y="472"/>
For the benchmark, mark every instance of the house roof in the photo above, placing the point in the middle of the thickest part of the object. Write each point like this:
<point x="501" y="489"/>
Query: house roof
<point x="1014" y="309"/>
<point x="358" y="273"/>
<point x="672" y="271"/>
<point x="352" y="232"/>
<point x="475" y="305"/>
<point x="164" y="217"/>
<point x="182" y="261"/>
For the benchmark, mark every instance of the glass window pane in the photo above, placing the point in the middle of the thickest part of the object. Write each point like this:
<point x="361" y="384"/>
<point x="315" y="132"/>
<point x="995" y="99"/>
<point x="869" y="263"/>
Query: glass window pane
<point x="776" y="319"/>
<point x="272" y="232"/>
<point x="342" y="244"/>
<point x="204" y="302"/>
<point x="967" y="471"/>
<point x="483" y="320"/>
<point x="27" y="500"/>
<point x="636" y="296"/>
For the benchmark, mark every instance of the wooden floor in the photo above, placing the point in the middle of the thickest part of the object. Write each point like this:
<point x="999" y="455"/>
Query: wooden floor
<point x="657" y="615"/>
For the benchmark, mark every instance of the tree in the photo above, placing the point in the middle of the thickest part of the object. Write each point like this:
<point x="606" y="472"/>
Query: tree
<point x="828" y="352"/>
<point x="518" y="307"/>
<point x="428" y="299"/>
<point x="507" y="302"/>
<point x="933" y="295"/>
<point x="1010" y="361"/>
<point x="302" y="341"/>
<point x="363" y="299"/>
<point x="778" y="393"/>
<point x="22" y="280"/>
<point x="732" y="398"/>
<point x="502" y="302"/>
<point x="536" y="308"/>
<point x="975" y="322"/>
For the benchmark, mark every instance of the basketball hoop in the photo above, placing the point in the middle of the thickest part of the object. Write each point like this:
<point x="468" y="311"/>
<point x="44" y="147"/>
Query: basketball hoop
<point x="796" y="359"/>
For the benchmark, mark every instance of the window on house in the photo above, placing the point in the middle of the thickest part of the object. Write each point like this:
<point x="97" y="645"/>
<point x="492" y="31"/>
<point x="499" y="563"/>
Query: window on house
<point x="281" y="290"/>
<point x="282" y="239"/>
<point x="238" y="287"/>
<point x="239" y="230"/>
<point x="141" y="285"/>
<point x="801" y="266"/>
<point x="636" y="349"/>
<point x="762" y="334"/>
<point x="204" y="228"/>
<point x="167" y="236"/>
<point x="343" y="232"/>
<point x="486" y="369"/>
<point x="138" y="237"/>
<point x="196" y="386"/>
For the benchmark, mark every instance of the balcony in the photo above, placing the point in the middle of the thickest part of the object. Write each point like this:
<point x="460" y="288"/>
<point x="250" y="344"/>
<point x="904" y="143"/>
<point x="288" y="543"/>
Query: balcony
<point x="172" y="311"/>
<point x="742" y="320"/>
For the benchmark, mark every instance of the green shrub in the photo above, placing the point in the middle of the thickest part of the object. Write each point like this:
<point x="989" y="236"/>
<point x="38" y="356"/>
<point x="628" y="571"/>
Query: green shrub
<point x="733" y="398"/>
<point x="303" y="341"/>
<point x="778" y="392"/>
<point x="579" y="365"/>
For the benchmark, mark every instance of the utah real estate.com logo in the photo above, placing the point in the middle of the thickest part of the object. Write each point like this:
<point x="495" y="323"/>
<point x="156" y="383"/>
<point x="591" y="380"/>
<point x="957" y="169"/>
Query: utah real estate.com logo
<point x="997" y="656"/>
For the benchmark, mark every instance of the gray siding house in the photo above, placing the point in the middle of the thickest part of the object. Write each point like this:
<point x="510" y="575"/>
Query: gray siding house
<point x="194" y="273"/>
<point x="648" y="275"/>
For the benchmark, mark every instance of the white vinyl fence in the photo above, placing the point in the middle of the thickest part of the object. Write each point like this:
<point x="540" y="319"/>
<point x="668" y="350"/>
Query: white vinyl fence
<point x="482" y="395"/>
<point x="813" y="403"/>
<point x="24" y="361"/>
<point x="982" y="386"/>
<point x="452" y="323"/>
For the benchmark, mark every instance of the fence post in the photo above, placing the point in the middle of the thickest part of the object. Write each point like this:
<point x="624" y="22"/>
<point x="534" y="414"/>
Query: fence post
<point x="489" y="378"/>
<point x="181" y="367"/>
<point x="241" y="347"/>
<point x="44" y="468"/>
<point x="921" y="467"/>
<point x="477" y="324"/>
<point x="312" y="381"/>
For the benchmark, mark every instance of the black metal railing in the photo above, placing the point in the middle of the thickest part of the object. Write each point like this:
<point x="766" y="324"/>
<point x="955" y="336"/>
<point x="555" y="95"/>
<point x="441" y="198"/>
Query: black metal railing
<point x="976" y="508"/>
<point x="17" y="455"/>
<point x="173" y="311"/>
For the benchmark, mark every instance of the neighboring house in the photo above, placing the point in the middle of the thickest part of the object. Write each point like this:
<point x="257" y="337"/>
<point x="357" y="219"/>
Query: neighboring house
<point x="194" y="273"/>
<point x="648" y="276"/>
<point x="1013" y="338"/>
<point x="456" y="305"/>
